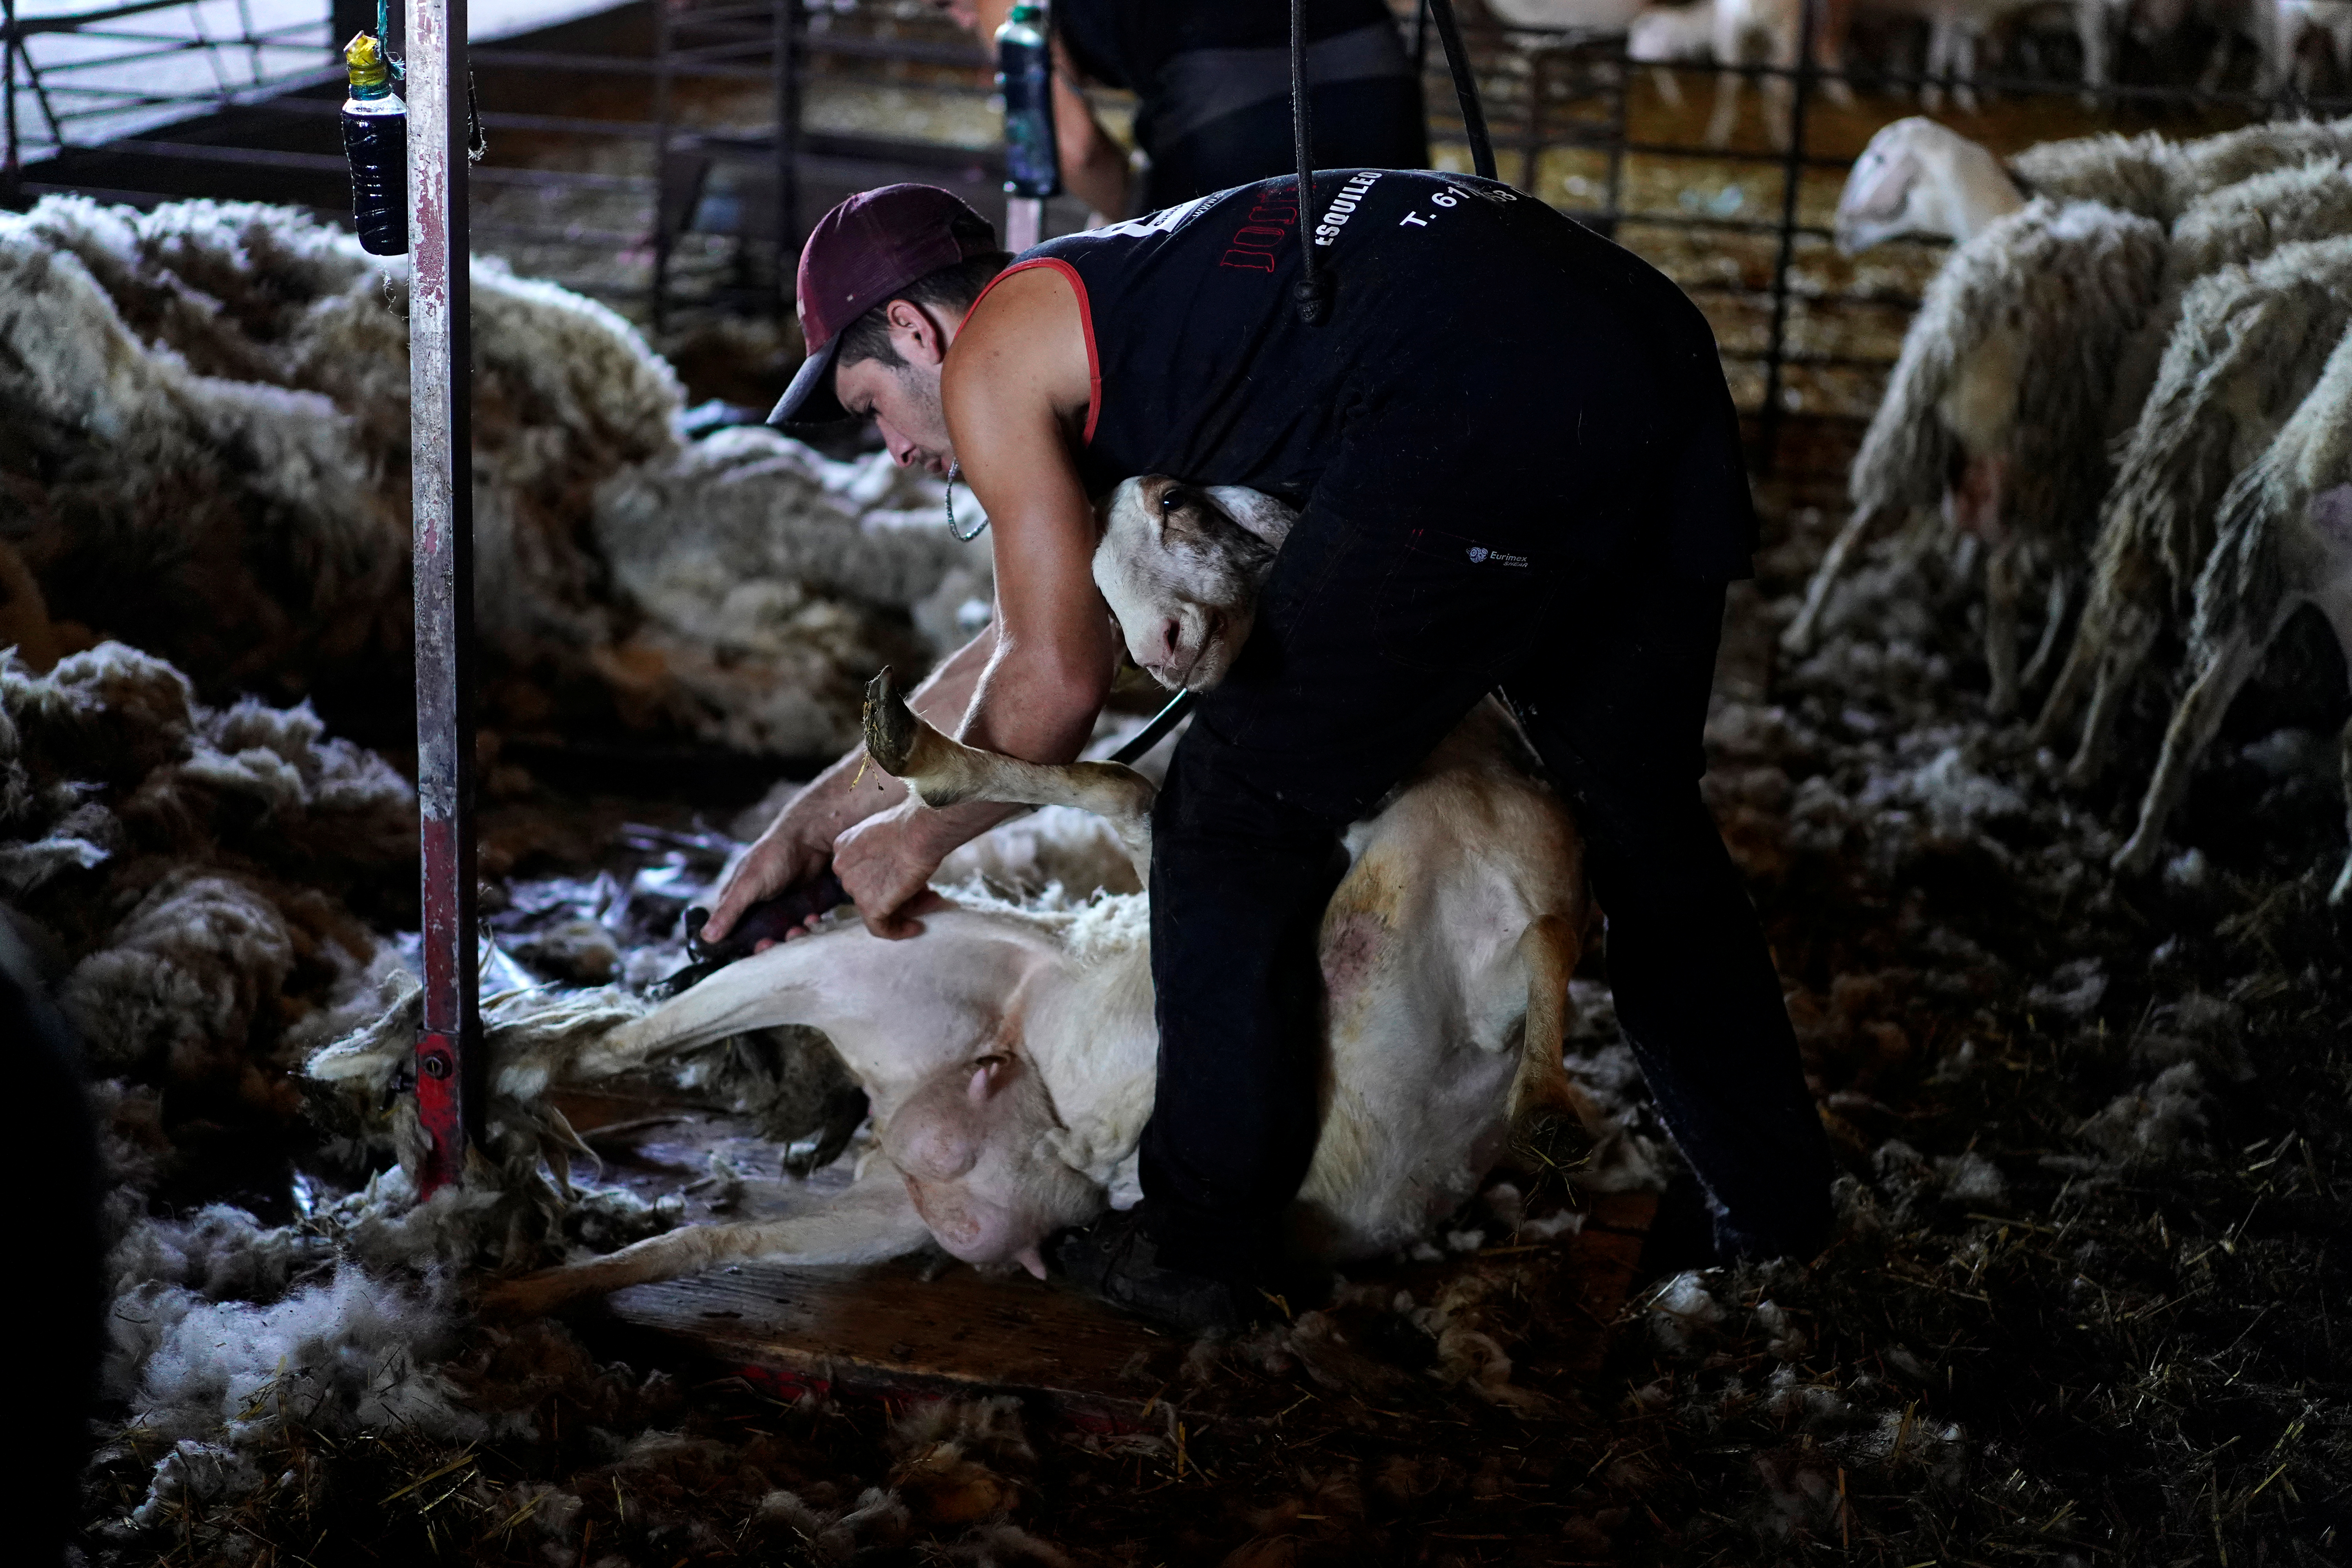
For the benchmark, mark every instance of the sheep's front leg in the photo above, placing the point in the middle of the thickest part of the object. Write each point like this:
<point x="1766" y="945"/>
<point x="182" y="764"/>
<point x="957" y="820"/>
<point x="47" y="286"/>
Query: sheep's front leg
<point x="1801" y="632"/>
<point x="2091" y="28"/>
<point x="1829" y="51"/>
<point x="2002" y="591"/>
<point x="2077" y="675"/>
<point x="2343" y="887"/>
<point x="1553" y="1125"/>
<point x="2054" y="608"/>
<point x="1726" y="117"/>
<point x="2133" y="634"/>
<point x="945" y="772"/>
<point x="1964" y="73"/>
<point x="2194" y="723"/>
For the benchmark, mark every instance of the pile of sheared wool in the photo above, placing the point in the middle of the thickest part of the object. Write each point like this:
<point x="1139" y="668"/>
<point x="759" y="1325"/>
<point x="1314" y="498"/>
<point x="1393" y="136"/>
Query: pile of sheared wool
<point x="200" y="885"/>
<point x="208" y="409"/>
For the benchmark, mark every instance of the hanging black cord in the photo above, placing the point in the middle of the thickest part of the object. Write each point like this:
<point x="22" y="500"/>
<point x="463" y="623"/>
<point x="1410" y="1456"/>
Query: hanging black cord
<point x="1314" y="290"/>
<point x="1466" y="87"/>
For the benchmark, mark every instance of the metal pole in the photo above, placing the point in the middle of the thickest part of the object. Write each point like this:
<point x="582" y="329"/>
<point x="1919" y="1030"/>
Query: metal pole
<point x="1792" y="173"/>
<point x="1620" y="124"/>
<point x="1531" y="162"/>
<point x="449" y="1053"/>
<point x="10" y="173"/>
<point x="788" y="151"/>
<point x="664" y="41"/>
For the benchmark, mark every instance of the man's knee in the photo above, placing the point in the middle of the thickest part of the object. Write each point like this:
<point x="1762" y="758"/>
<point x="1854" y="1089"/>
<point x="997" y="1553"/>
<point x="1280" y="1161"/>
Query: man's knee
<point x="1215" y="792"/>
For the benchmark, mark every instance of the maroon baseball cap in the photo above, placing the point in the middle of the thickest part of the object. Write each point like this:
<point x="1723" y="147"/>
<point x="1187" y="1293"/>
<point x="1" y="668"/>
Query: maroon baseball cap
<point x="857" y="257"/>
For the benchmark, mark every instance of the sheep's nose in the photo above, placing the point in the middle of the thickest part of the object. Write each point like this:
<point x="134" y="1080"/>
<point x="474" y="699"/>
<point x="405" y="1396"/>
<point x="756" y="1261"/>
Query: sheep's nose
<point x="1168" y="632"/>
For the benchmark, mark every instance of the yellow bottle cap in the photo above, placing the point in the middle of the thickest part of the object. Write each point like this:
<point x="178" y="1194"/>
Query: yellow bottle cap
<point x="363" y="56"/>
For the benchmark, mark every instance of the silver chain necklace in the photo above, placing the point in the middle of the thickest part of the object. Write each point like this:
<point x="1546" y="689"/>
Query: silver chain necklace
<point x="955" y="472"/>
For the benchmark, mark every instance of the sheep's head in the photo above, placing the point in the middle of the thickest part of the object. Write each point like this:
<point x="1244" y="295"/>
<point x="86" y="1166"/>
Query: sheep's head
<point x="976" y="1147"/>
<point x="1182" y="566"/>
<point x="1923" y="179"/>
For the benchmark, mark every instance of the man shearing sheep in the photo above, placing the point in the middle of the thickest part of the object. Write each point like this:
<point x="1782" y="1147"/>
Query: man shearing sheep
<point x="1517" y="468"/>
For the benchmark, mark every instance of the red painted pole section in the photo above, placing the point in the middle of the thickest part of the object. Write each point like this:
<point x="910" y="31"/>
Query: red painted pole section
<point x="448" y="1055"/>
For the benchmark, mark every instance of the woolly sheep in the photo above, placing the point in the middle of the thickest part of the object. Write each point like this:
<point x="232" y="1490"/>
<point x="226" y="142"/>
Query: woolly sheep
<point x="2005" y="379"/>
<point x="1923" y="180"/>
<point x="2283" y="538"/>
<point x="2239" y="223"/>
<point x="2251" y="341"/>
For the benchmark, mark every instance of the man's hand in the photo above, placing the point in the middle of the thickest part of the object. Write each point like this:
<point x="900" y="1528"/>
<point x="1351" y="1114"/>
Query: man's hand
<point x="794" y="850"/>
<point x="886" y="862"/>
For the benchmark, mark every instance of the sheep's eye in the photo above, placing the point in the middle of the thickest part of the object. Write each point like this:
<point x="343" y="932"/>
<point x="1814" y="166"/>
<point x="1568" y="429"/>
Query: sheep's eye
<point x="1173" y="497"/>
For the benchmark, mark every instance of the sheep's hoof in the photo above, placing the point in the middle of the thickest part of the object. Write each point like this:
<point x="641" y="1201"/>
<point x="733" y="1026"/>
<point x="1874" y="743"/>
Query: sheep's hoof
<point x="2135" y="857"/>
<point x="891" y="727"/>
<point x="1549" y="1141"/>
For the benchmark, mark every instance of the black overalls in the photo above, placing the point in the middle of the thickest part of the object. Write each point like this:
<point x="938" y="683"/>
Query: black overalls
<point x="1518" y="469"/>
<point x="1212" y="80"/>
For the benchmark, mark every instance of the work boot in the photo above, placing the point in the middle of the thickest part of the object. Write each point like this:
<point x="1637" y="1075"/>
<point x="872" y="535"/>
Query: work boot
<point x="1116" y="1260"/>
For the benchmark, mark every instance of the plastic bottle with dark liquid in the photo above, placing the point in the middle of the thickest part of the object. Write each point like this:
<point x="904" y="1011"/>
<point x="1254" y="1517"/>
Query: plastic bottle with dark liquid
<point x="375" y="139"/>
<point x="1025" y="77"/>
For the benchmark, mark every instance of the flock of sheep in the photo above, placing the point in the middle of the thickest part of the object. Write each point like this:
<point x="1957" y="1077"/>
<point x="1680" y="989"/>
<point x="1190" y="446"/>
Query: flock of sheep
<point x="2292" y="42"/>
<point x="2135" y="369"/>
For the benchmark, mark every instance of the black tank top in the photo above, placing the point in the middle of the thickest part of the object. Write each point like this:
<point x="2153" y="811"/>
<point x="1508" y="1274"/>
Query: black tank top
<point x="1212" y="80"/>
<point x="1124" y="43"/>
<point x="1486" y="356"/>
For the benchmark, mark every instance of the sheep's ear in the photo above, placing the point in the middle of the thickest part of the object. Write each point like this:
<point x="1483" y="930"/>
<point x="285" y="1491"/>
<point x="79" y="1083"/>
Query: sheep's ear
<point x="988" y="1076"/>
<point x="1881" y="192"/>
<point x="1253" y="511"/>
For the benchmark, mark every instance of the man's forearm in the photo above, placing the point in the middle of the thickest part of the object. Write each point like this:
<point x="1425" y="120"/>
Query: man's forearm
<point x="1023" y="705"/>
<point x="853" y="789"/>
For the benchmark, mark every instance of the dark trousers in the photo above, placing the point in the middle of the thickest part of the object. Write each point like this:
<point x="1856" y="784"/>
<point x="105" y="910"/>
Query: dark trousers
<point x="1370" y="645"/>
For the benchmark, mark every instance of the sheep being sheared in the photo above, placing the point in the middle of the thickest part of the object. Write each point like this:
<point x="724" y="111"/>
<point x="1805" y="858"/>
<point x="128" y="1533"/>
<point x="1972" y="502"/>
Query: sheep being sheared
<point x="1009" y="1053"/>
<point x="2251" y="343"/>
<point x="1997" y="407"/>
<point x="2282" y="540"/>
<point x="1923" y="180"/>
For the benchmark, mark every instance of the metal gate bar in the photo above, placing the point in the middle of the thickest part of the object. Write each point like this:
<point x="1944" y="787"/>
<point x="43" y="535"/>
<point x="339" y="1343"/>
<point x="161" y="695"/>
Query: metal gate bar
<point x="449" y="1067"/>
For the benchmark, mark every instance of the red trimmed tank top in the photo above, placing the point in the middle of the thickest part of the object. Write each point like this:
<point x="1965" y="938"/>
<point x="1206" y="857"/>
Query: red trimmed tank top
<point x="1483" y="351"/>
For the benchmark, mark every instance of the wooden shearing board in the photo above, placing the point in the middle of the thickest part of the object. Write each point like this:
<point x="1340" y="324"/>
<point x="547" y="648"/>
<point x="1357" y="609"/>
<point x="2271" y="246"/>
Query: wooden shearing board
<point x="885" y="1330"/>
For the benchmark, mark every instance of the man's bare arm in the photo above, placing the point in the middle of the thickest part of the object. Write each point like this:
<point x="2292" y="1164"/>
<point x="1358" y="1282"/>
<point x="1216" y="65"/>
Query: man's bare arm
<point x="1016" y="392"/>
<point x="799" y="844"/>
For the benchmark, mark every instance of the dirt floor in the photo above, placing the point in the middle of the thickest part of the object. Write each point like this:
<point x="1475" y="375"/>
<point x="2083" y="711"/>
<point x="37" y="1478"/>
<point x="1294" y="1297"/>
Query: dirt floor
<point x="2081" y="1306"/>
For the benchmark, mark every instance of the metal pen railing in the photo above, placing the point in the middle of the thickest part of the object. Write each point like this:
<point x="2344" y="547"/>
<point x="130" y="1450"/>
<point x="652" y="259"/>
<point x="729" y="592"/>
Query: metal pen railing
<point x="1806" y="338"/>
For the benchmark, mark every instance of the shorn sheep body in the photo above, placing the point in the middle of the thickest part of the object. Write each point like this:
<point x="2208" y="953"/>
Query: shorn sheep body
<point x="2005" y="380"/>
<point x="2282" y="540"/>
<point x="209" y="404"/>
<point x="2251" y="343"/>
